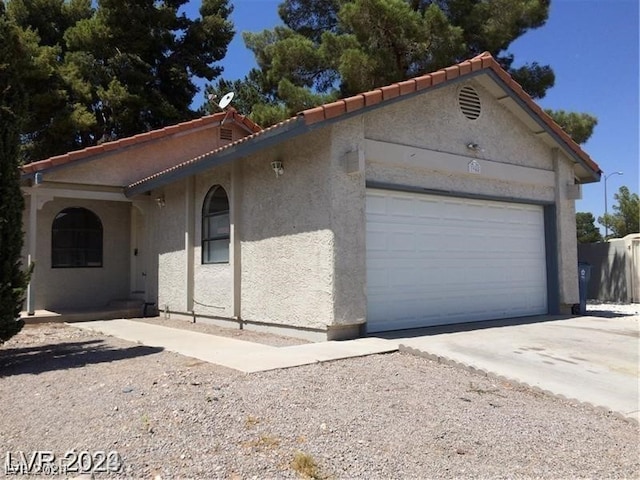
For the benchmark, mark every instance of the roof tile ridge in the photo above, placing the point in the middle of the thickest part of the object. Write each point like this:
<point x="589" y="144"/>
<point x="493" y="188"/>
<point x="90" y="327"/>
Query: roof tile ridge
<point x="485" y="54"/>
<point x="216" y="150"/>
<point x="118" y="143"/>
<point x="488" y="61"/>
<point x="381" y="94"/>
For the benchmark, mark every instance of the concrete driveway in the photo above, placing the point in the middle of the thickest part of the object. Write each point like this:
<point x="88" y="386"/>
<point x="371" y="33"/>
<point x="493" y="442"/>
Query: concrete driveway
<point x="592" y="359"/>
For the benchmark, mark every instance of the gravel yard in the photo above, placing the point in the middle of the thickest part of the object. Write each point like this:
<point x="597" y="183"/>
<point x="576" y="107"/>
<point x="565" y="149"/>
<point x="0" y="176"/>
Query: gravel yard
<point x="384" y="416"/>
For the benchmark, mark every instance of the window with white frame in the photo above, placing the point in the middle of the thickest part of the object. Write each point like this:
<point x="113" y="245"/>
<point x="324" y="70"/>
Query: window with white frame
<point x="215" y="226"/>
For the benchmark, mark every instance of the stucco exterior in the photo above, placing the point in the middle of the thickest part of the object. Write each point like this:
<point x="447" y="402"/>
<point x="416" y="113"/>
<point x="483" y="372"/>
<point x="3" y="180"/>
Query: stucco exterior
<point x="128" y="164"/>
<point x="77" y="288"/>
<point x="297" y="248"/>
<point x="285" y="242"/>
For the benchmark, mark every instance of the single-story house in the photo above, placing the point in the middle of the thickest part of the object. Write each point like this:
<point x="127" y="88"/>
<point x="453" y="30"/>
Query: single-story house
<point x="442" y="199"/>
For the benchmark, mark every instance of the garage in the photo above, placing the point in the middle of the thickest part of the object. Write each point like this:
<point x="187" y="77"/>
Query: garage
<point x="436" y="260"/>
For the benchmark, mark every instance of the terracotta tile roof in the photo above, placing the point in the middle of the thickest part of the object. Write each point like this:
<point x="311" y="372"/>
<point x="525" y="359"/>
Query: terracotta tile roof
<point x="484" y="61"/>
<point x="231" y="115"/>
<point x="258" y="135"/>
<point x="315" y="116"/>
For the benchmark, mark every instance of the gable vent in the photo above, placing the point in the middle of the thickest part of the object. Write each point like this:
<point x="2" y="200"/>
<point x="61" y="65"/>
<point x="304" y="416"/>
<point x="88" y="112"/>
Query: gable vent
<point x="469" y="102"/>
<point x="226" y="134"/>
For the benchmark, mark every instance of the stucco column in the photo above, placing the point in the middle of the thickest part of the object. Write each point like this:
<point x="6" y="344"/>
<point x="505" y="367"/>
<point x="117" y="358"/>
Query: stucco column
<point x="566" y="233"/>
<point x="234" y="246"/>
<point x="31" y="250"/>
<point x="189" y="231"/>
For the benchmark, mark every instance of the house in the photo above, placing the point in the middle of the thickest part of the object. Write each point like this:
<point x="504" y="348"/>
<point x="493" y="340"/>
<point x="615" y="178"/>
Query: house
<point x="442" y="199"/>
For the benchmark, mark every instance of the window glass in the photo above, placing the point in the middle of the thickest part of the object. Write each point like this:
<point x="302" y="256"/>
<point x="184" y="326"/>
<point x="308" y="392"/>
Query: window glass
<point x="76" y="239"/>
<point x="215" y="226"/>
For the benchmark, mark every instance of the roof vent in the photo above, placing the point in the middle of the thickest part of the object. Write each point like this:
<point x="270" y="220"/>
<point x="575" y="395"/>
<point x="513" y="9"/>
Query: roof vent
<point x="469" y="102"/>
<point x="226" y="134"/>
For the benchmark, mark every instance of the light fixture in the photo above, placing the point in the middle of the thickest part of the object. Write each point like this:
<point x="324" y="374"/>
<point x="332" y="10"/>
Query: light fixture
<point x="473" y="146"/>
<point x="160" y="201"/>
<point x="277" y="167"/>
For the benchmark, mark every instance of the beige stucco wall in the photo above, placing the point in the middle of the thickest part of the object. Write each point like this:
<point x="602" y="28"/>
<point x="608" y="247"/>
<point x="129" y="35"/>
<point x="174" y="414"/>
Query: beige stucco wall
<point x="76" y="288"/>
<point x="348" y="222"/>
<point x="567" y="244"/>
<point x="302" y="255"/>
<point x="434" y="122"/>
<point x="286" y="239"/>
<point x="128" y="165"/>
<point x="168" y="235"/>
<point x="301" y="260"/>
<point x="286" y="243"/>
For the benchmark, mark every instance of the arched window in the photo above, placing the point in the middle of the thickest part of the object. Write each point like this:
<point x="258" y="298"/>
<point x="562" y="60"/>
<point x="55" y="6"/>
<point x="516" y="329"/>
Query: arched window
<point x="76" y="239"/>
<point x="215" y="226"/>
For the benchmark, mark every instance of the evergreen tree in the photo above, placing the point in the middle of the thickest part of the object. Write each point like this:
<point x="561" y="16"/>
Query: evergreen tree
<point x="626" y="216"/>
<point x="122" y="67"/>
<point x="19" y="62"/>
<point x="586" y="230"/>
<point x="336" y="48"/>
<point x="579" y="126"/>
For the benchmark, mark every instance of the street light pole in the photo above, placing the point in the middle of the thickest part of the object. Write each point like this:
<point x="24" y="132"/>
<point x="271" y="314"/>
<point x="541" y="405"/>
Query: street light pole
<point x="606" y="225"/>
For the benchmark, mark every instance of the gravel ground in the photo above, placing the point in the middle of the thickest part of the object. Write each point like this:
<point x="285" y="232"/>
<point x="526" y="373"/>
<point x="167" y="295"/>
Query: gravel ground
<point x="612" y="309"/>
<point x="383" y="416"/>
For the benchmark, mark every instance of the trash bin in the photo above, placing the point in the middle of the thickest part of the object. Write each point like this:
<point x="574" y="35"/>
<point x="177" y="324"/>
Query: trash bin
<point x="584" y="274"/>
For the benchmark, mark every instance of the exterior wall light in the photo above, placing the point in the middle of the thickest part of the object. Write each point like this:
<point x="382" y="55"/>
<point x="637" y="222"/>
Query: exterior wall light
<point x="277" y="168"/>
<point x="160" y="201"/>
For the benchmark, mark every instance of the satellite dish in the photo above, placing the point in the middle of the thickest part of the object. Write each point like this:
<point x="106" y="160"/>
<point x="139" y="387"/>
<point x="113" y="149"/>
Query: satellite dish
<point x="226" y="100"/>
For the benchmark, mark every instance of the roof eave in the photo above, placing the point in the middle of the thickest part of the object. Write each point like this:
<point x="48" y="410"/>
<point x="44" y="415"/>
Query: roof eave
<point x="237" y="150"/>
<point x="593" y="175"/>
<point x="107" y="149"/>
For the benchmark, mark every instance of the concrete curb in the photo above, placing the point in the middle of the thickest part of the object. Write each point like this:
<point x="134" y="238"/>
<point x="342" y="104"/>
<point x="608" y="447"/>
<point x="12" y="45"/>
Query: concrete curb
<point x="454" y="363"/>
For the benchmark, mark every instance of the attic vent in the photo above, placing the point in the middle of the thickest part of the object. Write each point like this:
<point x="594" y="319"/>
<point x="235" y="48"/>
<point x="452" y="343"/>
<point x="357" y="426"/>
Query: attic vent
<point x="469" y="102"/>
<point x="226" y="134"/>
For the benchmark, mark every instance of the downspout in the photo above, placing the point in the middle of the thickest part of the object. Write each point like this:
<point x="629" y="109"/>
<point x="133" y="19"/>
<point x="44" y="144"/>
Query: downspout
<point x="235" y="246"/>
<point x="189" y="229"/>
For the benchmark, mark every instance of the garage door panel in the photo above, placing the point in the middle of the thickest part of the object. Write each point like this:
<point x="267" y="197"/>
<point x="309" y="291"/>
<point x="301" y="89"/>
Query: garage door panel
<point x="435" y="260"/>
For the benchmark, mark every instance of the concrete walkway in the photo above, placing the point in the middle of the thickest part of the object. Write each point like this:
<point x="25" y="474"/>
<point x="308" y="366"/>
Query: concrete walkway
<point x="590" y="359"/>
<point x="237" y="354"/>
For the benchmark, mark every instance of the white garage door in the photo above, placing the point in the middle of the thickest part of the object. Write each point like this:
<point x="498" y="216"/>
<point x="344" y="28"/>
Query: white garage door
<point x="434" y="260"/>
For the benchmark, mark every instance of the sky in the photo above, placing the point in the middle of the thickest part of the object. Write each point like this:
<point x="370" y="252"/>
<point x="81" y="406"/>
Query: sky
<point x="593" y="48"/>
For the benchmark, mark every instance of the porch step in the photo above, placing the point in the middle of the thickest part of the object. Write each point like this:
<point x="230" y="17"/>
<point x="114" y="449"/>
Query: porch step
<point x="120" y="308"/>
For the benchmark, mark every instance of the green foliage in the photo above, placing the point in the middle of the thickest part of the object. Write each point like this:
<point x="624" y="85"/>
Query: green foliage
<point x="117" y="68"/>
<point x="586" y="229"/>
<point x="626" y="216"/>
<point x="336" y="48"/>
<point x="579" y="126"/>
<point x="19" y="57"/>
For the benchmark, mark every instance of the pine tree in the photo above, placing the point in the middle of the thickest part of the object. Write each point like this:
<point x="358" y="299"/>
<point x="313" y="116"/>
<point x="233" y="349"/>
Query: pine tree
<point x="14" y="55"/>
<point x="586" y="230"/>
<point x="121" y="67"/>
<point x="626" y="216"/>
<point x="337" y="48"/>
